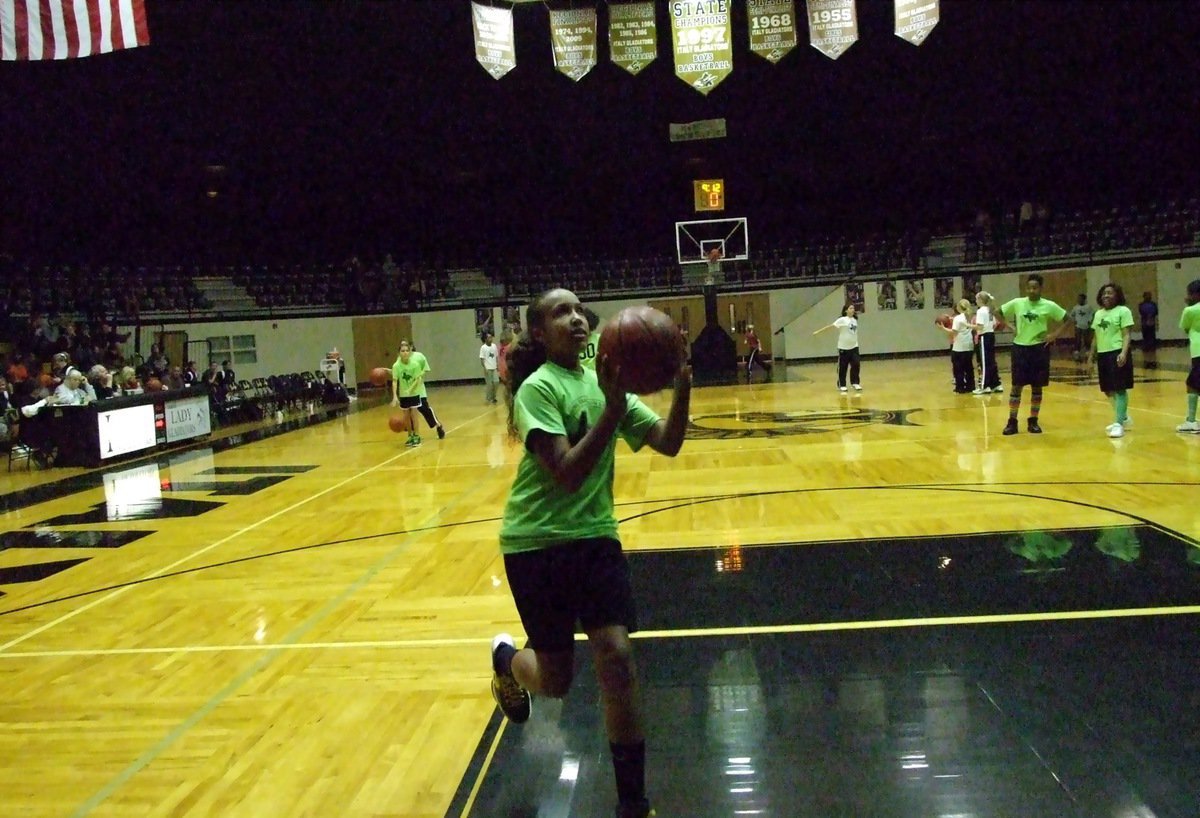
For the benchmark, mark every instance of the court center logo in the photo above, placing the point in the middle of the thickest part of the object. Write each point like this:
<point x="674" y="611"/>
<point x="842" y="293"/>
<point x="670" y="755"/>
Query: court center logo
<point x="737" y="425"/>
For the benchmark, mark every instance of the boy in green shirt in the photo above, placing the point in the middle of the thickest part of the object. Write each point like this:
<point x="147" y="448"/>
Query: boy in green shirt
<point x="1031" y="349"/>
<point x="1189" y="322"/>
<point x="562" y="557"/>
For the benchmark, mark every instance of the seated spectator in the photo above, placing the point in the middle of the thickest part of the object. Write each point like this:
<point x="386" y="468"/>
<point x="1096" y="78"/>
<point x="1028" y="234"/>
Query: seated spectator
<point x="175" y="379"/>
<point x="7" y="410"/>
<point x="102" y="382"/>
<point x="228" y="378"/>
<point x="190" y="376"/>
<point x="74" y="390"/>
<point x="127" y="381"/>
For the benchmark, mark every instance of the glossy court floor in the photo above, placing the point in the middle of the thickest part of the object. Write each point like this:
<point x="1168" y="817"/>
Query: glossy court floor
<point x="862" y="605"/>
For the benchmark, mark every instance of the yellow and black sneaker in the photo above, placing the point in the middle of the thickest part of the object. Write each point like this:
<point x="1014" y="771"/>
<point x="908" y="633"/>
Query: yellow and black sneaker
<point x="513" y="700"/>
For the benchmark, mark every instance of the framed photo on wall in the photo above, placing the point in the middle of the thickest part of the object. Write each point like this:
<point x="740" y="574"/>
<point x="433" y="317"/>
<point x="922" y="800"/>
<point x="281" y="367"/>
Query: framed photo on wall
<point x="943" y="293"/>
<point x="914" y="294"/>
<point x="886" y="295"/>
<point x="854" y="295"/>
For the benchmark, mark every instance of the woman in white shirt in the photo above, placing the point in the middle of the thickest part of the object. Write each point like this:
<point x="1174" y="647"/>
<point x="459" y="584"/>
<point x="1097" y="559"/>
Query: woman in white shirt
<point x="847" y="327"/>
<point x="989" y="375"/>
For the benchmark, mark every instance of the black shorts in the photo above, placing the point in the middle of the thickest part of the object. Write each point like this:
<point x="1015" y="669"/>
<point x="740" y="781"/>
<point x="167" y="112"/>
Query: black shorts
<point x="1030" y="365"/>
<point x="1193" y="378"/>
<point x="1114" y="378"/>
<point x="582" y="581"/>
<point x="413" y="402"/>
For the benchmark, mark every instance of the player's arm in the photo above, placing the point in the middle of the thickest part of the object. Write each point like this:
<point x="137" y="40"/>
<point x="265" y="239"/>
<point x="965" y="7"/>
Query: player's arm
<point x="822" y="329"/>
<point x="395" y="390"/>
<point x="570" y="465"/>
<point x="666" y="436"/>
<point x="1126" y="336"/>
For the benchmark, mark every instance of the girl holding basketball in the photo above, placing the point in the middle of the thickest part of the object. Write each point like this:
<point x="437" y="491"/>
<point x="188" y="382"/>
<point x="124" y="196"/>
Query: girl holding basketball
<point x="559" y="535"/>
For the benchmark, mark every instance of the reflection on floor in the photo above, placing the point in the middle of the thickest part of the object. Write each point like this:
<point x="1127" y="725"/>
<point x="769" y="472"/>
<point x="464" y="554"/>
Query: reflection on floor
<point x="1053" y="716"/>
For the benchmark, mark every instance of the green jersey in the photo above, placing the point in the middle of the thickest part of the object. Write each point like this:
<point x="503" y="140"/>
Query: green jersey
<point x="1108" y="325"/>
<point x="540" y="513"/>
<point x="1189" y="322"/>
<point x="587" y="356"/>
<point x="1031" y="319"/>
<point x="410" y="377"/>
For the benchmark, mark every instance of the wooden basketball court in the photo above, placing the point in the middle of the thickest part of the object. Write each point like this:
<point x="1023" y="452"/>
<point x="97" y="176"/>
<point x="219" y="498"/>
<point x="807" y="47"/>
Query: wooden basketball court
<point x="863" y="604"/>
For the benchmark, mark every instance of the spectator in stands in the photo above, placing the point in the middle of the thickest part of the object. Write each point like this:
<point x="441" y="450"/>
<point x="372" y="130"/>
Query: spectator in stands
<point x="127" y="381"/>
<point x="7" y="411"/>
<point x="228" y="378"/>
<point x="1148" y="311"/>
<point x="102" y="382"/>
<point x="175" y="378"/>
<point x="190" y="376"/>
<point x="18" y="372"/>
<point x="74" y="390"/>
<point x="113" y="358"/>
<point x="158" y="363"/>
<point x="1082" y="314"/>
<point x="212" y="378"/>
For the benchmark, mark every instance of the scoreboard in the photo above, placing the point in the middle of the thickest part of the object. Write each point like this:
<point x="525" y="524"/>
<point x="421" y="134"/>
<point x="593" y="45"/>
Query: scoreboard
<point x="709" y="194"/>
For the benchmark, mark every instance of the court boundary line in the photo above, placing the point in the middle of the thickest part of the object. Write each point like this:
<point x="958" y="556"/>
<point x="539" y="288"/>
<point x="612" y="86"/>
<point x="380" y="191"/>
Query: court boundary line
<point x="680" y="633"/>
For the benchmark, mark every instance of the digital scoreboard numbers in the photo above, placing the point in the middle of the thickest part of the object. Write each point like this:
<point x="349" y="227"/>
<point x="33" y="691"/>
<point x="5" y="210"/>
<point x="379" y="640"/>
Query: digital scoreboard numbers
<point x="709" y="194"/>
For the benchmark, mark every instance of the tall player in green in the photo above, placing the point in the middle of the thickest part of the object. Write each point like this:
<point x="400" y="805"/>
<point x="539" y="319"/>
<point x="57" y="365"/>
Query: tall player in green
<point x="1189" y="322"/>
<point x="1031" y="316"/>
<point x="562" y="557"/>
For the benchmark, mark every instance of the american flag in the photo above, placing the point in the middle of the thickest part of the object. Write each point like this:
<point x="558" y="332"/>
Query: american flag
<point x="62" y="29"/>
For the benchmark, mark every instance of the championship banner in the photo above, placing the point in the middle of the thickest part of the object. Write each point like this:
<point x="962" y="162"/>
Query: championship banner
<point x="915" y="19"/>
<point x="772" y="28"/>
<point x="494" y="46"/>
<point x="573" y="39"/>
<point x="632" y="35"/>
<point x="703" y="47"/>
<point x="832" y="26"/>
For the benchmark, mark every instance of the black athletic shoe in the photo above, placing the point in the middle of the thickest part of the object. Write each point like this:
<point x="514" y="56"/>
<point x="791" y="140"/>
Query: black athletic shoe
<point x="512" y="699"/>
<point x="441" y="430"/>
<point x="1032" y="426"/>
<point x="1011" y="427"/>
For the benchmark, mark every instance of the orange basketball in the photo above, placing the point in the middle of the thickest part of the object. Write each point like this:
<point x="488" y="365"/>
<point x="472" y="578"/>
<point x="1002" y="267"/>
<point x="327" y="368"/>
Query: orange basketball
<point x="647" y="346"/>
<point x="153" y="385"/>
<point x="944" y="320"/>
<point x="400" y="422"/>
<point x="379" y="376"/>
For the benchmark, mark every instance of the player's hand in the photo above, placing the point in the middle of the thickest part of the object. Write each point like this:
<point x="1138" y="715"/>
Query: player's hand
<point x="608" y="372"/>
<point x="684" y="377"/>
<point x="395" y="401"/>
<point x="1121" y="359"/>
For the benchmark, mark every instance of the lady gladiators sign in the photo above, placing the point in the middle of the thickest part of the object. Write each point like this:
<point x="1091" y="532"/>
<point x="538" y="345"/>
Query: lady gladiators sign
<point x="700" y="33"/>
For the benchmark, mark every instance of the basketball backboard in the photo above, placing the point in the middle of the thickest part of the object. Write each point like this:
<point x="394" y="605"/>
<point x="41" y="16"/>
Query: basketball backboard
<point x="695" y="239"/>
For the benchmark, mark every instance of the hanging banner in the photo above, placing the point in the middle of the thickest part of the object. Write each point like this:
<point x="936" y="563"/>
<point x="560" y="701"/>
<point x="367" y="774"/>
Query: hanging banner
<point x="573" y="38"/>
<point x="494" y="46"/>
<point x="772" y="28"/>
<point x="832" y="26"/>
<point x="915" y="19"/>
<point x="702" y="129"/>
<point x="702" y="43"/>
<point x="632" y="35"/>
